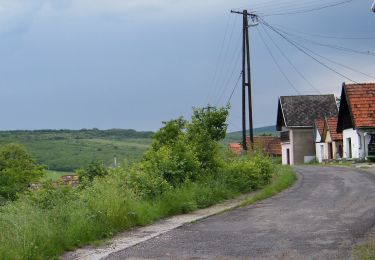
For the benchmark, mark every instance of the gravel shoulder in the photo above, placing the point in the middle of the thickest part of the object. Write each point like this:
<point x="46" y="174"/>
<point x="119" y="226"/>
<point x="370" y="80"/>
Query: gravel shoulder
<point x="323" y="216"/>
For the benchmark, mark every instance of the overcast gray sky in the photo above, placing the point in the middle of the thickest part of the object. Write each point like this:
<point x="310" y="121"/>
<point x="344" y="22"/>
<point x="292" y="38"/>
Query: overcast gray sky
<point x="134" y="63"/>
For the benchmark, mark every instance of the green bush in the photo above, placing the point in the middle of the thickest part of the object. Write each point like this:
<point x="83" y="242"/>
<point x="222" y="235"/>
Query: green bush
<point x="93" y="170"/>
<point x="17" y="170"/>
<point x="247" y="174"/>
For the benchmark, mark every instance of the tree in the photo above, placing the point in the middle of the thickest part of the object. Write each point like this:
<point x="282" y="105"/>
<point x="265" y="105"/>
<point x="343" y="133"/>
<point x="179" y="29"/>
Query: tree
<point x="207" y="127"/>
<point x="17" y="170"/>
<point x="93" y="170"/>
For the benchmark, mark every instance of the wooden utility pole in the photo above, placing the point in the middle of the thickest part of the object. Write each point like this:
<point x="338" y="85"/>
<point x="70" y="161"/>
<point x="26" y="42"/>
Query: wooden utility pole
<point x="246" y="75"/>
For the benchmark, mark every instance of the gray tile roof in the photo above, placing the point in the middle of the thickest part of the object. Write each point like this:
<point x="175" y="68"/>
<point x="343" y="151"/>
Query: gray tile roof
<point x="301" y="111"/>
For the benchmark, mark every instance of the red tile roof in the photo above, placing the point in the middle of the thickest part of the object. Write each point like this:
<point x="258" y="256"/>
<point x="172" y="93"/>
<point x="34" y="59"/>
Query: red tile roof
<point x="319" y="124"/>
<point x="331" y="123"/>
<point x="235" y="148"/>
<point x="361" y="100"/>
<point x="271" y="145"/>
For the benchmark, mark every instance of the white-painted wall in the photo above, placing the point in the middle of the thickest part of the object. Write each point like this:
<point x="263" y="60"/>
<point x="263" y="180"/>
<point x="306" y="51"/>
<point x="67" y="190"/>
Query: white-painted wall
<point x="319" y="147"/>
<point x="359" y="140"/>
<point x="284" y="147"/>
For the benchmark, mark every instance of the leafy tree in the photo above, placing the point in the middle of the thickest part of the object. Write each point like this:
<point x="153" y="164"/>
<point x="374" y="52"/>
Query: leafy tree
<point x="183" y="150"/>
<point x="170" y="133"/>
<point x="207" y="127"/>
<point x="93" y="170"/>
<point x="17" y="170"/>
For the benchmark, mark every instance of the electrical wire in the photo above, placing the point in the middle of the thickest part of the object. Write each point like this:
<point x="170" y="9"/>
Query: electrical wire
<point x="234" y="89"/>
<point x="303" y="51"/>
<point x="218" y="59"/>
<point x="290" y="62"/>
<point x="332" y="46"/>
<point x="323" y="36"/>
<point x="311" y="9"/>
<point x="335" y="62"/>
<point x="277" y="64"/>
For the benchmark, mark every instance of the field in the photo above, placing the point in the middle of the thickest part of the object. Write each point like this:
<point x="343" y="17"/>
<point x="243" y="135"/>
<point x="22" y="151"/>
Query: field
<point x="67" y="150"/>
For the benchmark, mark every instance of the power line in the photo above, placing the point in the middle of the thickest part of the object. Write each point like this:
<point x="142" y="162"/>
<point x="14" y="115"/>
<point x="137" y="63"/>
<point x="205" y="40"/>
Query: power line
<point x="219" y="58"/>
<point x="303" y="51"/>
<point x="323" y="36"/>
<point x="226" y="81"/>
<point x="332" y="46"/>
<point x="234" y="89"/>
<point x="311" y="9"/>
<point x="335" y="62"/>
<point x="291" y="63"/>
<point x="277" y="64"/>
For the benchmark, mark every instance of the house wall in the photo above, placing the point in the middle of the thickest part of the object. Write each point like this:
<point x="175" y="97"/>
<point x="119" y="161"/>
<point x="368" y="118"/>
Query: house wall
<point x="303" y="144"/>
<point x="284" y="147"/>
<point x="320" y="147"/>
<point x="359" y="142"/>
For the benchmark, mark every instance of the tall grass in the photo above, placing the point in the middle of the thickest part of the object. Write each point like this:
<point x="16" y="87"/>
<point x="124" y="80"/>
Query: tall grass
<point x="44" y="225"/>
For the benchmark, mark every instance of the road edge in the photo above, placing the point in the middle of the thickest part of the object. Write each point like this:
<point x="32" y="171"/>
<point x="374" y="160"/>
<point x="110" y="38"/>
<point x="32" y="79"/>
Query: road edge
<point x="138" y="235"/>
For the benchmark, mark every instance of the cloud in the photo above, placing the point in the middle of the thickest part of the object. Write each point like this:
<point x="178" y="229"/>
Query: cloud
<point x="17" y="15"/>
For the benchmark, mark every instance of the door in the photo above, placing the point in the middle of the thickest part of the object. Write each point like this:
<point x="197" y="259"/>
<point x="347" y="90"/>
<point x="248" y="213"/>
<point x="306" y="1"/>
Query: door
<point x="330" y="151"/>
<point x="322" y="157"/>
<point x="288" y="156"/>
<point x="349" y="141"/>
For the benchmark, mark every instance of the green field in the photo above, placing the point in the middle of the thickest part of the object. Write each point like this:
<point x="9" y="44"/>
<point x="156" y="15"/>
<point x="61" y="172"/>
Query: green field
<point x="67" y="150"/>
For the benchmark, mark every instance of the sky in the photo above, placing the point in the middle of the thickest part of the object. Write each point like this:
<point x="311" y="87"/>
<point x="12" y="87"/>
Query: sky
<point x="132" y="64"/>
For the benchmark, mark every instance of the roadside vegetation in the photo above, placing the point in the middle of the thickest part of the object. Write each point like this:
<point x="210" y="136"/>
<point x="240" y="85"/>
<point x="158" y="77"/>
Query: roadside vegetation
<point x="365" y="251"/>
<point x="184" y="169"/>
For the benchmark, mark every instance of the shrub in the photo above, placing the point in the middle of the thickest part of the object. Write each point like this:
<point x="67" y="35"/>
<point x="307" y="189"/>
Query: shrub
<point x="17" y="170"/>
<point x="247" y="174"/>
<point x="94" y="169"/>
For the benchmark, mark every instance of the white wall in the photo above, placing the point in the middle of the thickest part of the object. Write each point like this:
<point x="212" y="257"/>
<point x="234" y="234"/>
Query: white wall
<point x="359" y="141"/>
<point x="284" y="147"/>
<point x="357" y="149"/>
<point x="320" y="152"/>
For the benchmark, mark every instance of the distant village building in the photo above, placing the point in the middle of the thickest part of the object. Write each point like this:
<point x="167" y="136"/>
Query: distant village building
<point x="70" y="180"/>
<point x="332" y="139"/>
<point x="356" y="120"/>
<point x="236" y="148"/>
<point x="320" y="146"/>
<point x="296" y="116"/>
<point x="270" y="145"/>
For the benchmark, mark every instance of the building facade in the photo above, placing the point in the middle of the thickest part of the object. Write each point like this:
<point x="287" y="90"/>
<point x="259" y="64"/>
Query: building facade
<point x="356" y="121"/>
<point x="295" y="121"/>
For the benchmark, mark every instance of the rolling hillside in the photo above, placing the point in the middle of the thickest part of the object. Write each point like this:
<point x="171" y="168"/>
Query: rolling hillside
<point x="67" y="150"/>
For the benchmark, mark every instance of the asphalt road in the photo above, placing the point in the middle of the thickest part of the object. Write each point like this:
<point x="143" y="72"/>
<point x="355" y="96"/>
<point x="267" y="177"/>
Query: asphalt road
<point x="322" y="217"/>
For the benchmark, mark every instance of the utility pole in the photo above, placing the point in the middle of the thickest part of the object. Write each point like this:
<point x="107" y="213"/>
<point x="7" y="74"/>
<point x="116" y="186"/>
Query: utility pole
<point x="246" y="75"/>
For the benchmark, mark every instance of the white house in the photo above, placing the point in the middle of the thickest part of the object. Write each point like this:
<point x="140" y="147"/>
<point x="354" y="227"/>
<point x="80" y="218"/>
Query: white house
<point x="332" y="139"/>
<point x="295" y="121"/>
<point x="320" y="145"/>
<point x="357" y="120"/>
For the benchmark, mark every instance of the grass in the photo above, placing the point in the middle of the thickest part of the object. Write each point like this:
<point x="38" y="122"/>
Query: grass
<point x="58" y="220"/>
<point x="54" y="175"/>
<point x="365" y="251"/>
<point x="282" y="179"/>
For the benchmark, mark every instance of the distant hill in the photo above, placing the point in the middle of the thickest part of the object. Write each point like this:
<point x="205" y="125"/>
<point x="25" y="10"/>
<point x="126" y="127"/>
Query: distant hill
<point x="67" y="150"/>
<point x="235" y="137"/>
